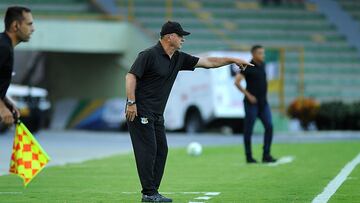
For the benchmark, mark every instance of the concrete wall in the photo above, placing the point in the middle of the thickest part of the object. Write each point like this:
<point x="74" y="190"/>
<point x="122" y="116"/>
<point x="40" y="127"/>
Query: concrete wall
<point x="93" y="37"/>
<point x="84" y="59"/>
<point x="84" y="76"/>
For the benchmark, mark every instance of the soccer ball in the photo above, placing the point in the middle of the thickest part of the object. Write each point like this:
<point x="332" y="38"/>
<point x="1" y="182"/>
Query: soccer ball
<point x="194" y="149"/>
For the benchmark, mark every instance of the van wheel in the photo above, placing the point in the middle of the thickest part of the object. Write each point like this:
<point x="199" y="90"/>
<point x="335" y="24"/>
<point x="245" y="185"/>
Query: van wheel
<point x="194" y="122"/>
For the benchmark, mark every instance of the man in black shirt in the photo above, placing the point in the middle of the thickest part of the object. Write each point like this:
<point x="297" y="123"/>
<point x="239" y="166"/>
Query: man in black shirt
<point x="256" y="104"/>
<point x="18" y="28"/>
<point x="148" y="85"/>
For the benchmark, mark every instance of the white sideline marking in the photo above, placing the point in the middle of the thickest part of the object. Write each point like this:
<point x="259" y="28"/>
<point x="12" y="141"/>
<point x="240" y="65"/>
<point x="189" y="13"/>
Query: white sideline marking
<point x="282" y="160"/>
<point x="186" y="193"/>
<point x="204" y="198"/>
<point x="10" y="193"/>
<point x="212" y="193"/>
<point x="206" y="195"/>
<point x="335" y="183"/>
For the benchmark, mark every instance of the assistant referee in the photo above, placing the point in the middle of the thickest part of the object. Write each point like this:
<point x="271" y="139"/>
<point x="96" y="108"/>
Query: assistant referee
<point x="18" y="28"/>
<point x="148" y="85"/>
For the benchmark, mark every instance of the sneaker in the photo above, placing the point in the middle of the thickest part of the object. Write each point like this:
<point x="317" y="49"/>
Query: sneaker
<point x="155" y="198"/>
<point x="251" y="160"/>
<point x="268" y="159"/>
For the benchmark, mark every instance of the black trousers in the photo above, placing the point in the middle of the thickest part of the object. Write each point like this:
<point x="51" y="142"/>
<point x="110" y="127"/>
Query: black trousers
<point x="149" y="142"/>
<point x="253" y="111"/>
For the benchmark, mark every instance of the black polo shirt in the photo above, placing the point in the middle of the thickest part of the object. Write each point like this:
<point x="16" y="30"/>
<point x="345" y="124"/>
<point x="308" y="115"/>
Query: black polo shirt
<point x="6" y="63"/>
<point x="156" y="73"/>
<point x="256" y="82"/>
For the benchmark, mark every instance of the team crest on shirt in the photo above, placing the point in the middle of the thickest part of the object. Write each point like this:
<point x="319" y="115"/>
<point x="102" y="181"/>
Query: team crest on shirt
<point x="144" y="120"/>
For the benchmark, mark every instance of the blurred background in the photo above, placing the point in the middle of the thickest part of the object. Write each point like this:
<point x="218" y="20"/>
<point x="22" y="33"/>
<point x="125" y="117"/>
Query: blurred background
<point x="71" y="75"/>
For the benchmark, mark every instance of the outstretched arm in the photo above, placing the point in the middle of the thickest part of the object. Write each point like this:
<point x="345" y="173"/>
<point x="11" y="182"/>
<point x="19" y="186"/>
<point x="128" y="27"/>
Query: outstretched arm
<point x="216" y="62"/>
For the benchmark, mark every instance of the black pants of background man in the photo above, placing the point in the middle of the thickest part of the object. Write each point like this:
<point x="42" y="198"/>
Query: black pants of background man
<point x="253" y="111"/>
<point x="148" y="138"/>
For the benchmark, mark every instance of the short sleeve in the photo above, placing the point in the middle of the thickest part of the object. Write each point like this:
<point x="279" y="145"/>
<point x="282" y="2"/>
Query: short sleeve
<point x="142" y="61"/>
<point x="189" y="62"/>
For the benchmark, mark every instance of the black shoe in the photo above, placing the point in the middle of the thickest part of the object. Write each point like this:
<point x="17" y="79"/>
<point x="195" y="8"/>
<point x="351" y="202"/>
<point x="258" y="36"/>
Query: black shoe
<point x="155" y="198"/>
<point x="251" y="160"/>
<point x="268" y="159"/>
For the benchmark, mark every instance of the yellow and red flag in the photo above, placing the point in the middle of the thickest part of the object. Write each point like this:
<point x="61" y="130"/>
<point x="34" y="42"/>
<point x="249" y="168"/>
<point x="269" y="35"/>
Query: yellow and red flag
<point x="28" y="158"/>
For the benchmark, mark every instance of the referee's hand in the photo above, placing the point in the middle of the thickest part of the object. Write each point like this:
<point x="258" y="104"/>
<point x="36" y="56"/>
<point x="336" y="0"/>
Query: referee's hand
<point x="131" y="112"/>
<point x="6" y="116"/>
<point x="243" y="64"/>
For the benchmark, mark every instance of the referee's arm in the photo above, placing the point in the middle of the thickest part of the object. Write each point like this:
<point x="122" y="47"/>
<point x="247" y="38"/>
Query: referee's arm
<point x="5" y="114"/>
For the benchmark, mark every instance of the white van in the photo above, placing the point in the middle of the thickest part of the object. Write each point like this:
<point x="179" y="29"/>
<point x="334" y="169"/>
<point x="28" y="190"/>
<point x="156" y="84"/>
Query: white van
<point x="206" y="97"/>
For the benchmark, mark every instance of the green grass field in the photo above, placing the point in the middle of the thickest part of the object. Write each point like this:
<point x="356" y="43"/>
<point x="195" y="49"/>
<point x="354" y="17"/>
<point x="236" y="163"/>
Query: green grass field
<point x="219" y="169"/>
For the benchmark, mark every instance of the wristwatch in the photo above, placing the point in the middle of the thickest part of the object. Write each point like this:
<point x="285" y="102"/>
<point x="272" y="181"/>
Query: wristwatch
<point x="130" y="102"/>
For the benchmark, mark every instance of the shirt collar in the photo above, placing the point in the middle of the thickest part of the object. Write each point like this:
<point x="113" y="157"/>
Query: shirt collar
<point x="6" y="36"/>
<point x="256" y="64"/>
<point x="160" y="48"/>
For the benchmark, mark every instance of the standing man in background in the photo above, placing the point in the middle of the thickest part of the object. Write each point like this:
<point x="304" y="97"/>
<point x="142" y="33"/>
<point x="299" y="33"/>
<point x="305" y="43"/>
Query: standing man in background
<point x="18" y="28"/>
<point x="148" y="85"/>
<point x="256" y="104"/>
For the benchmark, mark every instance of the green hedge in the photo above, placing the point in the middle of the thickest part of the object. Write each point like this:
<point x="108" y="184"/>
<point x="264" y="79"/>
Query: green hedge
<point x="338" y="116"/>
